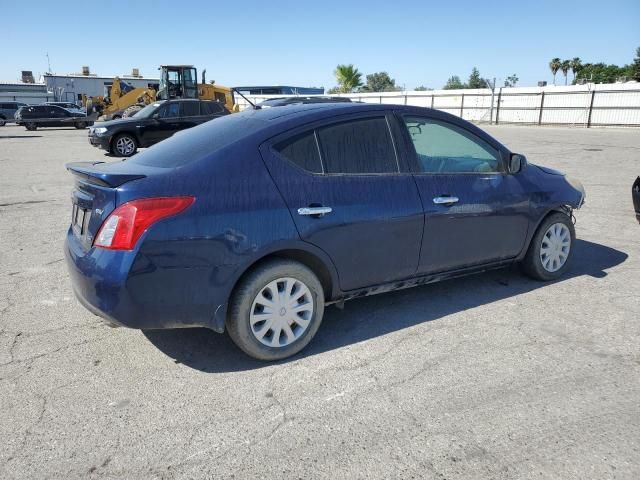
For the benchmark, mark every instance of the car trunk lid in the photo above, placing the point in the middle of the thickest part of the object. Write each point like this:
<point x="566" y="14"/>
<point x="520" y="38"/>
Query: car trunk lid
<point x="95" y="194"/>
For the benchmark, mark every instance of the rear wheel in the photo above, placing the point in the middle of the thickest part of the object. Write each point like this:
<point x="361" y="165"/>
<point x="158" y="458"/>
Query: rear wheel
<point x="551" y="248"/>
<point x="31" y="126"/>
<point x="124" y="145"/>
<point x="276" y="310"/>
<point x="3" y="121"/>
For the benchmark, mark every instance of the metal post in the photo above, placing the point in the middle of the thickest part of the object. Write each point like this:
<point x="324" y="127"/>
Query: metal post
<point x="432" y="95"/>
<point x="593" y="94"/>
<point x="462" y="107"/>
<point x="541" y="108"/>
<point x="493" y="91"/>
<point x="405" y="98"/>
<point x="380" y="99"/>
<point x="498" y="106"/>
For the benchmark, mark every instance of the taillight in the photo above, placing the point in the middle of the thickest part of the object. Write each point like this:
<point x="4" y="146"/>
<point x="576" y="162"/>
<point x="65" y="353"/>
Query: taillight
<point x="126" y="224"/>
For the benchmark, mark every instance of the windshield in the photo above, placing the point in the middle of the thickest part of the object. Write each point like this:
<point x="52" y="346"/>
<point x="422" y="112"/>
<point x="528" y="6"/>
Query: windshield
<point x="147" y="111"/>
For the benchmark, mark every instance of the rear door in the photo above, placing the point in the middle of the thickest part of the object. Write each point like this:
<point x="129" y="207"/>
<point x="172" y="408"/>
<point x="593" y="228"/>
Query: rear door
<point x="347" y="194"/>
<point x="475" y="212"/>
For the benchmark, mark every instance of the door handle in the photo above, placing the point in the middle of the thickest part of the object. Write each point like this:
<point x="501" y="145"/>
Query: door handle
<point x="313" y="211"/>
<point x="445" y="200"/>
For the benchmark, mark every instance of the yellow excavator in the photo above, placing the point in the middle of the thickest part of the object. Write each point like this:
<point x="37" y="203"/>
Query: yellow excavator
<point x="176" y="81"/>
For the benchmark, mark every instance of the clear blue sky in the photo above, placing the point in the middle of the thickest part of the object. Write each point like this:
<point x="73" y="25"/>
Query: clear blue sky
<point x="300" y="43"/>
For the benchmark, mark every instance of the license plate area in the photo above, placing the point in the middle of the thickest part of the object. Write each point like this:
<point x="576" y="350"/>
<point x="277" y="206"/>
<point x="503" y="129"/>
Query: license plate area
<point x="80" y="220"/>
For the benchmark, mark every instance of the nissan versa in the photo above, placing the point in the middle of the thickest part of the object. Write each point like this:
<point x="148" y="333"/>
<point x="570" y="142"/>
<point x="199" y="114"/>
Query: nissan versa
<point x="256" y="221"/>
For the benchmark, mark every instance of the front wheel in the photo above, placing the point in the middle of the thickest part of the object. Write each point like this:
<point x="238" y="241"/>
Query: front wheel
<point x="2" y="122"/>
<point x="81" y="125"/>
<point x="551" y="248"/>
<point x="276" y="310"/>
<point x="31" y="126"/>
<point x="124" y="145"/>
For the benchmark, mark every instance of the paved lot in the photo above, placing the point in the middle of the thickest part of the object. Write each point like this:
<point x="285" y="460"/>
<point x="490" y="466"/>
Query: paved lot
<point x="493" y="376"/>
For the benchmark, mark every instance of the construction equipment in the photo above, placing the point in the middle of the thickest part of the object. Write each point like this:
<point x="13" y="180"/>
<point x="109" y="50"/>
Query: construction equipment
<point x="176" y="81"/>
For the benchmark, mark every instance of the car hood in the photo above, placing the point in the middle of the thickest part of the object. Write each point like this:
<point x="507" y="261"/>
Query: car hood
<point x="548" y="170"/>
<point x="120" y="122"/>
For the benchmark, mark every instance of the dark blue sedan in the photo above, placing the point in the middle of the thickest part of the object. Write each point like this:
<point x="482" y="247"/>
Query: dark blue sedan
<point x="255" y="221"/>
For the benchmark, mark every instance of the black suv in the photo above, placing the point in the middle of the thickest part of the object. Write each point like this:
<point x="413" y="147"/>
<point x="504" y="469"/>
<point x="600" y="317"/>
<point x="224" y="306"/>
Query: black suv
<point x="34" y="116"/>
<point x="154" y="123"/>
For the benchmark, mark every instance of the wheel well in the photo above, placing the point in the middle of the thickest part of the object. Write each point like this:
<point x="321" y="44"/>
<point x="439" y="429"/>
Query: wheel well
<point x="310" y="260"/>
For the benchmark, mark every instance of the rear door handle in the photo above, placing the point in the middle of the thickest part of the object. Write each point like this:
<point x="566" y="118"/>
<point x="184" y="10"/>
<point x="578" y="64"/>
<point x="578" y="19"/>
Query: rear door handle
<point x="448" y="200"/>
<point x="319" y="211"/>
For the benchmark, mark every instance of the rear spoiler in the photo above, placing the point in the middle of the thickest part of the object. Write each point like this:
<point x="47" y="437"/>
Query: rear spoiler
<point x="91" y="172"/>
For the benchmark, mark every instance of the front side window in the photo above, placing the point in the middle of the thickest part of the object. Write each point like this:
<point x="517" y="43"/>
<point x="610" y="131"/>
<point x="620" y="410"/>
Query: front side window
<point x="360" y="146"/>
<point x="301" y="150"/>
<point x="445" y="148"/>
<point x="169" y="110"/>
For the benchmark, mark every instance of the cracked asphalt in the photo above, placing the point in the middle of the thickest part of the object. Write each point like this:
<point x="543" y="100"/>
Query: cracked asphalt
<point x="491" y="376"/>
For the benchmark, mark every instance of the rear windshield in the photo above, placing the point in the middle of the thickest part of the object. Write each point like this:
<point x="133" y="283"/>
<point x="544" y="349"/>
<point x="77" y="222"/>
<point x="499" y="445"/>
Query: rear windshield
<point x="198" y="142"/>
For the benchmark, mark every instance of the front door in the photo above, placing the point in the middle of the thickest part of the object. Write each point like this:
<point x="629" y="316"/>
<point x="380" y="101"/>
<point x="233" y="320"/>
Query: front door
<point x="346" y="194"/>
<point x="163" y="125"/>
<point x="475" y="212"/>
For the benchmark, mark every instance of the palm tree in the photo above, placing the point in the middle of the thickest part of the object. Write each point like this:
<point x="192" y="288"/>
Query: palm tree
<point x="348" y="77"/>
<point x="554" y="65"/>
<point x="565" y="66"/>
<point x="576" y="65"/>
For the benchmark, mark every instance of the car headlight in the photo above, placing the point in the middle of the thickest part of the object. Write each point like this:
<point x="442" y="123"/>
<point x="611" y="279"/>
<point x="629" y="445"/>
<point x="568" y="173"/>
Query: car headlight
<point x="577" y="184"/>
<point x="100" y="130"/>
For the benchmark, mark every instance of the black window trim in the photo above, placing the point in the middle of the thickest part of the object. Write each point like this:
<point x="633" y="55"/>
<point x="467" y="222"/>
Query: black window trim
<point x="413" y="161"/>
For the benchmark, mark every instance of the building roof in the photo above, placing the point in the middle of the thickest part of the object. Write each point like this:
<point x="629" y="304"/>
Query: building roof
<point x="95" y="77"/>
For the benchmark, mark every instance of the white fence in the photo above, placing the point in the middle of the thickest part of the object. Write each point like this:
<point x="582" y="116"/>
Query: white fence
<point x="580" y="105"/>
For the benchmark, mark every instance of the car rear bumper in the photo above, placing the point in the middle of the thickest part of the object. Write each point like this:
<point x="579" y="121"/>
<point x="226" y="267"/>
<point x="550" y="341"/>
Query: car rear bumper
<point x="123" y="288"/>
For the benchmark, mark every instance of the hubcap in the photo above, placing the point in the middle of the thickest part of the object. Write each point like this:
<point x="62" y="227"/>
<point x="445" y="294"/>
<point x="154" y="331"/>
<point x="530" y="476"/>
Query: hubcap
<point x="556" y="244"/>
<point x="125" y="145"/>
<point x="281" y="312"/>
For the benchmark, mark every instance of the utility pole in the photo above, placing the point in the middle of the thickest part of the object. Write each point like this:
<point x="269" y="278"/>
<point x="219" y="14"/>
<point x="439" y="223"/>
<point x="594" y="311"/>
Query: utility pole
<point x="492" y="85"/>
<point x="48" y="63"/>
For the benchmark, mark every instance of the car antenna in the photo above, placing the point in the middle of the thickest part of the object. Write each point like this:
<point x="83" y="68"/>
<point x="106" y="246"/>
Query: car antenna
<point x="253" y="105"/>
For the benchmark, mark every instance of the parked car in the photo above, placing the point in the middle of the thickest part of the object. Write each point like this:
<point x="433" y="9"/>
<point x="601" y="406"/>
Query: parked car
<point x="635" y="193"/>
<point x="154" y="123"/>
<point x="34" y="116"/>
<point x="8" y="111"/>
<point x="256" y="221"/>
<point x="68" y="105"/>
<point x="281" y="102"/>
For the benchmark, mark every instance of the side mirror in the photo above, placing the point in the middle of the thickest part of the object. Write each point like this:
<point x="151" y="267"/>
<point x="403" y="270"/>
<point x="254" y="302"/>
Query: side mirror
<point x="517" y="163"/>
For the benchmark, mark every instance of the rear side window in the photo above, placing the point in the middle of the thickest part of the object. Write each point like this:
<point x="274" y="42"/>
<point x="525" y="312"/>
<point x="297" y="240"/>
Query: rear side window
<point x="211" y="108"/>
<point x="358" y="147"/>
<point x="302" y="150"/>
<point x="190" y="109"/>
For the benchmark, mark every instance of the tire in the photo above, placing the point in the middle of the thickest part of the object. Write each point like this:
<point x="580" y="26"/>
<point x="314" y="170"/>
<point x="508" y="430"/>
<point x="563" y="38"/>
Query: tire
<point x="3" y="121"/>
<point x="559" y="241"/>
<point x="246" y="307"/>
<point x="124" y="145"/>
<point x="81" y="125"/>
<point x="31" y="126"/>
<point x="131" y="111"/>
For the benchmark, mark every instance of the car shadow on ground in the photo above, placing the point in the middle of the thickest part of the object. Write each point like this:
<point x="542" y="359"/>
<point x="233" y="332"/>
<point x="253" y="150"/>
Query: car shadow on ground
<point x="370" y="317"/>
<point x="20" y="136"/>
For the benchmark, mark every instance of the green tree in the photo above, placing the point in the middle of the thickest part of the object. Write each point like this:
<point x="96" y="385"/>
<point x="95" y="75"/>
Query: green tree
<point x="602" y="73"/>
<point x="576" y="65"/>
<point x="380" y="82"/>
<point x="554" y="65"/>
<point x="422" y="88"/>
<point x="348" y="77"/>
<point x="511" y="81"/>
<point x="634" y="68"/>
<point x="565" y="66"/>
<point x="454" y="83"/>
<point x="475" y="81"/>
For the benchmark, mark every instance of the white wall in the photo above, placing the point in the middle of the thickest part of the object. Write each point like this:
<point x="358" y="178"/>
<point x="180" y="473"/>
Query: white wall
<point x="613" y="104"/>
